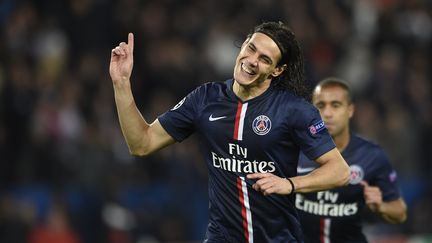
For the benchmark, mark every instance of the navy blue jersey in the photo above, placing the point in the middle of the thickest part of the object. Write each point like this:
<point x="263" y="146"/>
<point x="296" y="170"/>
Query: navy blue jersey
<point x="335" y="215"/>
<point x="263" y="134"/>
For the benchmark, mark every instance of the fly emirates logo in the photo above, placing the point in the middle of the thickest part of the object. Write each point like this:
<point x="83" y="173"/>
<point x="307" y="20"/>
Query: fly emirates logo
<point x="326" y="205"/>
<point x="240" y="163"/>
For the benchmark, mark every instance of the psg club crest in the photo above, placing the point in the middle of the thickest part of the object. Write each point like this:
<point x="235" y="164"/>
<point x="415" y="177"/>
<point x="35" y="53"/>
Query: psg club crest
<point x="356" y="174"/>
<point x="261" y="125"/>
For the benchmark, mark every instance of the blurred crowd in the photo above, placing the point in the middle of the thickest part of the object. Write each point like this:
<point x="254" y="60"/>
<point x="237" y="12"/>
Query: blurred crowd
<point x="65" y="172"/>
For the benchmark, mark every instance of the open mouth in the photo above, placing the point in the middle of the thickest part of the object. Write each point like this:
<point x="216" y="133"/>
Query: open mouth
<point x="247" y="70"/>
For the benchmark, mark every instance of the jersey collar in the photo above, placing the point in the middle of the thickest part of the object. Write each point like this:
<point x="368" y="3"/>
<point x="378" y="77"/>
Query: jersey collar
<point x="232" y="95"/>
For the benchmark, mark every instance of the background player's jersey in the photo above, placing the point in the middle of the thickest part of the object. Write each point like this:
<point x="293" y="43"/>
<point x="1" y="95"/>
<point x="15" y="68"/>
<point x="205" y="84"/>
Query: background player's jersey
<point x="335" y="215"/>
<point x="263" y="134"/>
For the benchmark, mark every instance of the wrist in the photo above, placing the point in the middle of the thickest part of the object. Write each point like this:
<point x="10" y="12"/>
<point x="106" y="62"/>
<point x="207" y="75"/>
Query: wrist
<point x="380" y="208"/>
<point x="292" y="185"/>
<point x="121" y="84"/>
<point x="123" y="95"/>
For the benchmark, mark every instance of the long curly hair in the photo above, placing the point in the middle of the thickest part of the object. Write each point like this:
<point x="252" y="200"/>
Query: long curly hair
<point x="293" y="78"/>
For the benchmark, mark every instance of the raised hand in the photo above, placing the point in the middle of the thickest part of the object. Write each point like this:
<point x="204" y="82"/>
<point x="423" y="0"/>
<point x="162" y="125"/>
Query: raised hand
<point x="122" y="61"/>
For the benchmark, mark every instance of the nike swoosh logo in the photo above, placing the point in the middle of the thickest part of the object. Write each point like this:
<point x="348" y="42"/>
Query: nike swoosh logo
<point x="211" y="118"/>
<point x="304" y="169"/>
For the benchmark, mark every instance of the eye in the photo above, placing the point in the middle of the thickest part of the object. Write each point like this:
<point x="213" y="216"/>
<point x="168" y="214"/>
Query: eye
<point x="266" y="60"/>
<point x="319" y="106"/>
<point x="336" y="105"/>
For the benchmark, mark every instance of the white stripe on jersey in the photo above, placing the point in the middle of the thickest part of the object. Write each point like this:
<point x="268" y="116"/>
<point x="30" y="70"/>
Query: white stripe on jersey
<point x="241" y="122"/>
<point x="248" y="211"/>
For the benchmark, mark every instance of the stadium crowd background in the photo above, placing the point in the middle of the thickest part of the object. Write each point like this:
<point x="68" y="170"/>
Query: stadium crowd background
<point x="64" y="166"/>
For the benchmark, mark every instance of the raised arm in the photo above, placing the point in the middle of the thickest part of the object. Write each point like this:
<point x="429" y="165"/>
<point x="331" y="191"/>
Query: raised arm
<point x="141" y="137"/>
<point x="333" y="172"/>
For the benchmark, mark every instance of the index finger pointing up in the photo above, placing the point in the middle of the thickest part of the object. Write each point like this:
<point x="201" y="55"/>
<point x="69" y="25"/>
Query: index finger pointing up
<point x="131" y="41"/>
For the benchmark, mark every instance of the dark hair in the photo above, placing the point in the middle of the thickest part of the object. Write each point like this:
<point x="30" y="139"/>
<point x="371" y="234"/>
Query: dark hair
<point x="292" y="78"/>
<point x="333" y="81"/>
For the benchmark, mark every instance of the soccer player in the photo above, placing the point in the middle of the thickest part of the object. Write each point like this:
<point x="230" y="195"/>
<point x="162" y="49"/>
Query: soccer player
<point x="335" y="215"/>
<point x="253" y="126"/>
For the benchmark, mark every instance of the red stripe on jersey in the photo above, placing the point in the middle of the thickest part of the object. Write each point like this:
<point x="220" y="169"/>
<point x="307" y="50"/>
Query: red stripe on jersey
<point x="237" y="120"/>
<point x="322" y="237"/>
<point x="243" y="208"/>
<point x="325" y="230"/>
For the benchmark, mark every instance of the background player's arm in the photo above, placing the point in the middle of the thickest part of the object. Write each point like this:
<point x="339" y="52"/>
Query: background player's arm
<point x="333" y="172"/>
<point x="142" y="138"/>
<point x="391" y="211"/>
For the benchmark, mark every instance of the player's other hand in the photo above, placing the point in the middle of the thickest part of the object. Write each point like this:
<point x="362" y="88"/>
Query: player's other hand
<point x="372" y="196"/>
<point x="268" y="183"/>
<point x="122" y="61"/>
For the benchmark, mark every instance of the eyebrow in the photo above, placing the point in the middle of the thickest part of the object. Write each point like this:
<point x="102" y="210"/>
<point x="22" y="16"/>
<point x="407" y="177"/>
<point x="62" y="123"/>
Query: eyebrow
<point x="268" y="59"/>
<point x="336" y="101"/>
<point x="330" y="102"/>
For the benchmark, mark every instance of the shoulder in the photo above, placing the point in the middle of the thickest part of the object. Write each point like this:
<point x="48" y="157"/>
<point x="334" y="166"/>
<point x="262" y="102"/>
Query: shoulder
<point x="367" y="147"/>
<point x="289" y="96"/>
<point x="299" y="110"/>
<point x="213" y="85"/>
<point x="211" y="88"/>
<point x="293" y="102"/>
<point x="361" y="142"/>
<point x="379" y="165"/>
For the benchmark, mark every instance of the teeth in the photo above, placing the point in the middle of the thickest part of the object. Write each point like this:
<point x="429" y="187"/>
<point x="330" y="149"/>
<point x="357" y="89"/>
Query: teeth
<point x="247" y="69"/>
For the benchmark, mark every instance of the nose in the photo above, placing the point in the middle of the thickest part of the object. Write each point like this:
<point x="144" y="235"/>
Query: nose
<point x="253" y="59"/>
<point x="326" y="112"/>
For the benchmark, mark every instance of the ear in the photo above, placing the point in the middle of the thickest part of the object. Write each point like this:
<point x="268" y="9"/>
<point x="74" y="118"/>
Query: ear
<point x="278" y="70"/>
<point x="351" y="109"/>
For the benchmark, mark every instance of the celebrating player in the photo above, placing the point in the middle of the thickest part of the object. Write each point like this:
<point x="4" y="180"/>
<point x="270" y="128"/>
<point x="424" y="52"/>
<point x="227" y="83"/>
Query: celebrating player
<point x="254" y="127"/>
<point x="335" y="215"/>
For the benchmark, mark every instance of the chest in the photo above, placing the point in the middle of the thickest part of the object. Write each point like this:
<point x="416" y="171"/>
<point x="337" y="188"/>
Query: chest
<point x="253" y="123"/>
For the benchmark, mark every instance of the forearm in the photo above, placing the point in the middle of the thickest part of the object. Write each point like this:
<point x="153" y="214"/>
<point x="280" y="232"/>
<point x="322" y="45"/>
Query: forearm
<point x="333" y="172"/>
<point x="323" y="178"/>
<point x="393" y="212"/>
<point x="133" y="125"/>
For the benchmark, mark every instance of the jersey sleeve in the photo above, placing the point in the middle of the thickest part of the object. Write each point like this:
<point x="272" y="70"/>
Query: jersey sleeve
<point x="179" y="122"/>
<point x="310" y="132"/>
<point x="385" y="177"/>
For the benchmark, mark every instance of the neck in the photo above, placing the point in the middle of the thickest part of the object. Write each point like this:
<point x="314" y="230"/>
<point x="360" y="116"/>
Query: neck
<point x="342" y="140"/>
<point x="247" y="92"/>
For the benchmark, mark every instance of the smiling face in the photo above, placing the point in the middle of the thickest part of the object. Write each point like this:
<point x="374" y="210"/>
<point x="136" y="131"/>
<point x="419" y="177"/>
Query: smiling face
<point x="257" y="61"/>
<point x="335" y="108"/>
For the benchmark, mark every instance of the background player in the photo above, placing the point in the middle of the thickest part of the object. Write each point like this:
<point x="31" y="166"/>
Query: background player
<point x="255" y="125"/>
<point x="335" y="215"/>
